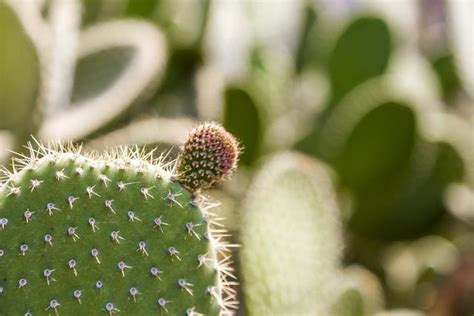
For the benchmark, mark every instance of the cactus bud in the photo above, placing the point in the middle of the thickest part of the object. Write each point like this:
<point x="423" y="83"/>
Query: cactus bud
<point x="209" y="154"/>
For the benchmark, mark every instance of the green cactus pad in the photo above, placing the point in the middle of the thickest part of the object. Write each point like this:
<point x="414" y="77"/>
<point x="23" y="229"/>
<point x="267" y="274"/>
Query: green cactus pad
<point x="83" y="235"/>
<point x="291" y="239"/>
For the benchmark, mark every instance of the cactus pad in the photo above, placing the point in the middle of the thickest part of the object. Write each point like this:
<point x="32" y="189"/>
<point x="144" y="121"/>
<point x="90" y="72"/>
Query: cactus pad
<point x="291" y="239"/>
<point x="106" y="235"/>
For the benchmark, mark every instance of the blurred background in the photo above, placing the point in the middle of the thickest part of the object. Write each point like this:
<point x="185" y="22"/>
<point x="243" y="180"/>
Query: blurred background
<point x="355" y="190"/>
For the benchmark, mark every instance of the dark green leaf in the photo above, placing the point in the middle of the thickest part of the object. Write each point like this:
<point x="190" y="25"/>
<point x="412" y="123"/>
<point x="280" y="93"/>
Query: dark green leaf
<point x="409" y="205"/>
<point x="142" y="8"/>
<point x="98" y="71"/>
<point x="241" y="118"/>
<point x="447" y="76"/>
<point x="378" y="147"/>
<point x="360" y="53"/>
<point x="307" y="46"/>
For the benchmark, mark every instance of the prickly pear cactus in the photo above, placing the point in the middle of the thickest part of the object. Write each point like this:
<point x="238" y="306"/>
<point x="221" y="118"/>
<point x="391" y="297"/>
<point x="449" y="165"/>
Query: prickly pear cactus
<point x="291" y="239"/>
<point x="106" y="235"/>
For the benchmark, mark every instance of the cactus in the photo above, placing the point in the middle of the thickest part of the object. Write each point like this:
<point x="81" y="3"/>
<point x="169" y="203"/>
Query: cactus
<point x="208" y="156"/>
<point x="82" y="233"/>
<point x="291" y="239"/>
<point x="348" y="55"/>
<point x="242" y="117"/>
<point x="119" y="63"/>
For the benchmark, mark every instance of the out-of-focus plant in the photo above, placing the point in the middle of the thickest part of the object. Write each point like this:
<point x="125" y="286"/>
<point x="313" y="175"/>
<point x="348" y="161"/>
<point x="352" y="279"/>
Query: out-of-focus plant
<point x="289" y="215"/>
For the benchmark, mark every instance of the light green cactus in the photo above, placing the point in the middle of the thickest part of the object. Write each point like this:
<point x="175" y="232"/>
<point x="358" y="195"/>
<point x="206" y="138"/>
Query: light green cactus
<point x="291" y="240"/>
<point x="107" y="234"/>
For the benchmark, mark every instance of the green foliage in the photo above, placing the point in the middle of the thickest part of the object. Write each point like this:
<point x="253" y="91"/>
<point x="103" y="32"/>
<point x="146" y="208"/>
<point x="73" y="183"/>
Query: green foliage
<point x="142" y="8"/>
<point x="350" y="303"/>
<point x="98" y="71"/>
<point x="91" y="10"/>
<point x="307" y="50"/>
<point x="360" y="53"/>
<point x="289" y="229"/>
<point x="115" y="70"/>
<point x="20" y="74"/>
<point x="448" y="78"/>
<point x="408" y="204"/>
<point x="380" y="157"/>
<point x="241" y="118"/>
<point x="373" y="140"/>
<point x="127" y="209"/>
<point x="178" y="81"/>
<point x="377" y="148"/>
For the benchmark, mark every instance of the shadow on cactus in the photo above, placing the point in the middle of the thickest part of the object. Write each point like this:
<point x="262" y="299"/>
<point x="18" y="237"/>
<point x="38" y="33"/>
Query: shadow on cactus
<point x="103" y="234"/>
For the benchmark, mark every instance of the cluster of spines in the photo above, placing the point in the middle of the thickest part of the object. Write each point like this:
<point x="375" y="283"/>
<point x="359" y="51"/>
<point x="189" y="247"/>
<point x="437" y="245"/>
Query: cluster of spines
<point x="121" y="157"/>
<point x="141" y="162"/>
